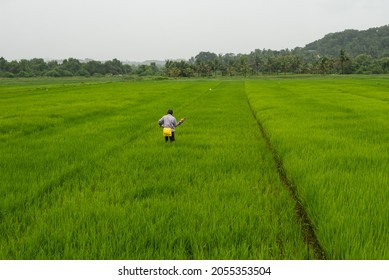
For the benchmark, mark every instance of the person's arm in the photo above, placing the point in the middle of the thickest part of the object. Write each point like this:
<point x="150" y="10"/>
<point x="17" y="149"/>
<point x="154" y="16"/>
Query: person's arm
<point x="160" y="122"/>
<point x="180" y="122"/>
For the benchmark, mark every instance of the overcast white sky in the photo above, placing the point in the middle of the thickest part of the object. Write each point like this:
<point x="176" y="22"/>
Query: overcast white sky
<point x="139" y="30"/>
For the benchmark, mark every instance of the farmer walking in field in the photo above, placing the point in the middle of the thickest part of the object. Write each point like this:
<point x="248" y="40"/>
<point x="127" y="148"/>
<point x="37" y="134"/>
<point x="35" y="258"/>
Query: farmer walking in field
<point x="169" y="123"/>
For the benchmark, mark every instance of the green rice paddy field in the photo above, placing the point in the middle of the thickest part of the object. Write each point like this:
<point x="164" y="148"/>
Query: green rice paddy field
<point x="291" y="168"/>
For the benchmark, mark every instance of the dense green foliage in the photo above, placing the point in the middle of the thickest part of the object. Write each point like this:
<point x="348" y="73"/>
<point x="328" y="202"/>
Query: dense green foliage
<point x="373" y="42"/>
<point x="37" y="67"/>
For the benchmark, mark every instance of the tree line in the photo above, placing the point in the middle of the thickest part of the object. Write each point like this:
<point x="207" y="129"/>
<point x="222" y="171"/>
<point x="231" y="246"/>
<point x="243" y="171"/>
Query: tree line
<point x="38" y="67"/>
<point x="258" y="62"/>
<point x="346" y="52"/>
<point x="206" y="64"/>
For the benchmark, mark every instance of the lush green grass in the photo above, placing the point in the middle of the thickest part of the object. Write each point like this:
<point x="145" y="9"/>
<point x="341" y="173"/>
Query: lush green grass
<point x="86" y="175"/>
<point x="333" y="138"/>
<point x="85" y="172"/>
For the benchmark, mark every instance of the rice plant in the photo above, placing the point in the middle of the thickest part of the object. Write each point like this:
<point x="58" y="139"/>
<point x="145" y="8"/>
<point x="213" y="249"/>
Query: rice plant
<point x="86" y="174"/>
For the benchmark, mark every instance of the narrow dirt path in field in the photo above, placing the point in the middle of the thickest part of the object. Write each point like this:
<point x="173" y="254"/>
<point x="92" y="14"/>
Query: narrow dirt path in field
<point x="302" y="217"/>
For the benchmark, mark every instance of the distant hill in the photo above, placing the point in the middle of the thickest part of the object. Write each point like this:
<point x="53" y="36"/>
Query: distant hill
<point x="374" y="42"/>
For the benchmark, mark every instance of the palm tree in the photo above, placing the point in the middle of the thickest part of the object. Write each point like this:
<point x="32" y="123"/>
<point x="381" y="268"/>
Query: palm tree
<point x="343" y="59"/>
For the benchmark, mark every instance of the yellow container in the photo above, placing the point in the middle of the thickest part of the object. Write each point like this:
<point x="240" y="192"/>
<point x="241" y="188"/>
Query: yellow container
<point x="167" y="131"/>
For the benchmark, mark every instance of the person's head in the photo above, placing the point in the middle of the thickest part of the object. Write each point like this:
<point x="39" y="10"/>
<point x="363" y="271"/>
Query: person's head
<point x="170" y="111"/>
